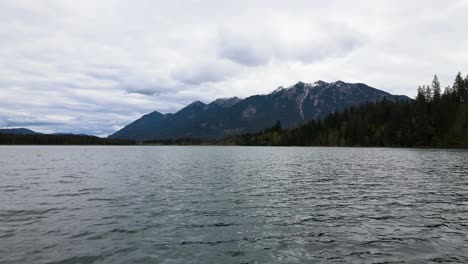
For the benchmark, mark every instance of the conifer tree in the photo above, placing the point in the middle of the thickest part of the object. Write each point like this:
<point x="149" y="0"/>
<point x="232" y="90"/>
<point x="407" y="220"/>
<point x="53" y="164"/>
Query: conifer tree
<point x="421" y="95"/>
<point x="277" y="126"/>
<point x="436" y="89"/>
<point x="428" y="93"/>
<point x="464" y="90"/>
<point x="447" y="91"/>
<point x="459" y="87"/>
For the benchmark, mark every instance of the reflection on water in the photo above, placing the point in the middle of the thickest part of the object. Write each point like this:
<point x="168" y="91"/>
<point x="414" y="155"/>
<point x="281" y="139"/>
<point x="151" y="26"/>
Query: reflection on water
<point x="232" y="205"/>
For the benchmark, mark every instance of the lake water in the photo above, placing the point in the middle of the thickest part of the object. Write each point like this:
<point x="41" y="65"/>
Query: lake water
<point x="139" y="204"/>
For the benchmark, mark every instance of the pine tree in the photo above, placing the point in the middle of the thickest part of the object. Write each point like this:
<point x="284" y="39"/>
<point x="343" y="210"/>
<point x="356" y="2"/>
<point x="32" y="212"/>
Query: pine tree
<point x="428" y="93"/>
<point x="436" y="89"/>
<point x="466" y="90"/>
<point x="459" y="87"/>
<point x="421" y="95"/>
<point x="447" y="91"/>
<point x="277" y="126"/>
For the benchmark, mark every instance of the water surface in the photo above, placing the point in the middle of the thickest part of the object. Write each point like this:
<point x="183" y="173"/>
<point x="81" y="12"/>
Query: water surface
<point x="70" y="204"/>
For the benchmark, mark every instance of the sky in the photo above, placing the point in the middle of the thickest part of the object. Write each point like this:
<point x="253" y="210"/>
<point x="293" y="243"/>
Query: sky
<point x="95" y="66"/>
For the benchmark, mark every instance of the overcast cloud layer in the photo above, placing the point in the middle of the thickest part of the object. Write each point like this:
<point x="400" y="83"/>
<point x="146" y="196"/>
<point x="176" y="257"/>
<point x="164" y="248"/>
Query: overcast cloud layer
<point x="94" y="66"/>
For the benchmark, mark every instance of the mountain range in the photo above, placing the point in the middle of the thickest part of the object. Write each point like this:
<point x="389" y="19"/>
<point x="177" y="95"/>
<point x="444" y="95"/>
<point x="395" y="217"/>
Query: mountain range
<point x="17" y="131"/>
<point x="26" y="131"/>
<point x="224" y="117"/>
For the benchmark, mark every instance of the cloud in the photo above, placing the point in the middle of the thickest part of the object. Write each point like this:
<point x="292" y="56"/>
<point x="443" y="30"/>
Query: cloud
<point x="22" y="119"/>
<point x="102" y="64"/>
<point x="196" y="74"/>
<point x="296" y="42"/>
<point x="242" y="50"/>
<point x="9" y="123"/>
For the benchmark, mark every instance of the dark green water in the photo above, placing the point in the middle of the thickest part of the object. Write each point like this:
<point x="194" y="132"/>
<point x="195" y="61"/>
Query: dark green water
<point x="232" y="205"/>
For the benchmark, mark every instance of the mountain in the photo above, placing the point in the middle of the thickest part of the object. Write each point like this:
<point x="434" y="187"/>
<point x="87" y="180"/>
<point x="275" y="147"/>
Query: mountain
<point x="25" y="131"/>
<point x="17" y="131"/>
<point x="296" y="104"/>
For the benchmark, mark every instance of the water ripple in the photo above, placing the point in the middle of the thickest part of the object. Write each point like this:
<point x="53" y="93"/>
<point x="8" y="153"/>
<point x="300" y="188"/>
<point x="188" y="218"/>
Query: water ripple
<point x="232" y="205"/>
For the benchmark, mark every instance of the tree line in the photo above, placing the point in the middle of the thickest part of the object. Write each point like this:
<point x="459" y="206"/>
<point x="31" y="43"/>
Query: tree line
<point x="435" y="119"/>
<point x="43" y="139"/>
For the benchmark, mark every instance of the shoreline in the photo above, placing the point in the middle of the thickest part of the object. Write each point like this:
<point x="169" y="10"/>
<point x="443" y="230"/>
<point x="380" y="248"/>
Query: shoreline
<point x="215" y="145"/>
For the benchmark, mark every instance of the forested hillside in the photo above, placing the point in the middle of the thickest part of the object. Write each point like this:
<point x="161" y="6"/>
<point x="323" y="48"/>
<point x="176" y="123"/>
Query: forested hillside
<point x="434" y="119"/>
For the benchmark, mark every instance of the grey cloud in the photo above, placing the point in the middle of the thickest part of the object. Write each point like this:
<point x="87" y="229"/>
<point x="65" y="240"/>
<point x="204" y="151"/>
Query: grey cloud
<point x="28" y="121"/>
<point x="318" y="42"/>
<point x="131" y="82"/>
<point x="146" y="87"/>
<point x="240" y="50"/>
<point x="196" y="74"/>
<point x="341" y="46"/>
<point x="144" y="90"/>
<point x="9" y="123"/>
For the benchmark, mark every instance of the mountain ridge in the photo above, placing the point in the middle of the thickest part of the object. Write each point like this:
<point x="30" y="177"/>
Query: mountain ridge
<point x="223" y="117"/>
<point x="18" y="131"/>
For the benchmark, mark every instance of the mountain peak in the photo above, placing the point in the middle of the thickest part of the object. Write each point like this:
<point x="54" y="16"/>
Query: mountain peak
<point x="300" y="85"/>
<point x="196" y="103"/>
<point x="156" y="113"/>
<point x="339" y="83"/>
<point x="192" y="107"/>
<point x="319" y="82"/>
<point x="226" y="102"/>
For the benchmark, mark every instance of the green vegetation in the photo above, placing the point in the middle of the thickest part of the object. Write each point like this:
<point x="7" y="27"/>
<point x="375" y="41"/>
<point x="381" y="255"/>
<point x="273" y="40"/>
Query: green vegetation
<point x="434" y="119"/>
<point x="41" y="139"/>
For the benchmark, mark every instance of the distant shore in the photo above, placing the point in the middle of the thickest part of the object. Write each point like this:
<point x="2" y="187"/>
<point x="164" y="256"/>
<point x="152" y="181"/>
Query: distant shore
<point x="68" y="139"/>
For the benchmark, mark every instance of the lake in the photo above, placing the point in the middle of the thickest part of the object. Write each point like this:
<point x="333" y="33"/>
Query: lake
<point x="147" y="204"/>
